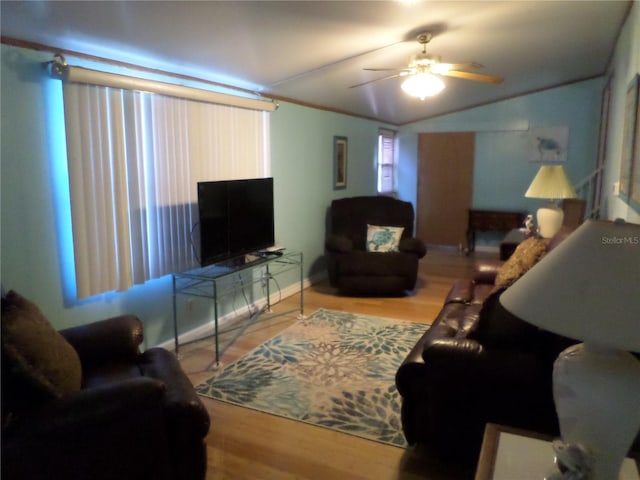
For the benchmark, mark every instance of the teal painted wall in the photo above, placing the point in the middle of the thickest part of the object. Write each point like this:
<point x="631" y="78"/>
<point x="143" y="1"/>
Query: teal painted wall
<point x="35" y="240"/>
<point x="502" y="172"/>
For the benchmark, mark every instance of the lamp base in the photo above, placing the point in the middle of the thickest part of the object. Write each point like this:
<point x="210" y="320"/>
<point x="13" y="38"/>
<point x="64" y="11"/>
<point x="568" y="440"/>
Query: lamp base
<point x="597" y="396"/>
<point x="550" y="219"/>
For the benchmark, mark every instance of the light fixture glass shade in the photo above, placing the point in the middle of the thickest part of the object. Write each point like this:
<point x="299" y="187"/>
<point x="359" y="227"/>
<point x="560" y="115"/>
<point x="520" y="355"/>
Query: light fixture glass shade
<point x="423" y="85"/>
<point x="588" y="288"/>
<point x="551" y="182"/>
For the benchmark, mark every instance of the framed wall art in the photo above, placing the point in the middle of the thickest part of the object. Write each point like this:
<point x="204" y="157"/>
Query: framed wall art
<point x="548" y="144"/>
<point x="340" y="155"/>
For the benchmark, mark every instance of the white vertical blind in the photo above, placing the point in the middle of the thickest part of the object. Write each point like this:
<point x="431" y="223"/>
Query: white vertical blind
<point x="134" y="161"/>
<point x="386" y="161"/>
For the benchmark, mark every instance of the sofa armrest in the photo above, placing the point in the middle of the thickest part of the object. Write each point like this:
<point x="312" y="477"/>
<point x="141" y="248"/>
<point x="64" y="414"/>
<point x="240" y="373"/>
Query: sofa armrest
<point x="468" y="361"/>
<point x="486" y="272"/>
<point x="413" y="245"/>
<point x="116" y="338"/>
<point x="338" y="244"/>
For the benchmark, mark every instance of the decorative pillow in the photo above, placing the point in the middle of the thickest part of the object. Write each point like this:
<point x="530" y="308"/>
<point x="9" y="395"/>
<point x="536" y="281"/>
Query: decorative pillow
<point x="383" y="239"/>
<point x="525" y="256"/>
<point x="36" y="353"/>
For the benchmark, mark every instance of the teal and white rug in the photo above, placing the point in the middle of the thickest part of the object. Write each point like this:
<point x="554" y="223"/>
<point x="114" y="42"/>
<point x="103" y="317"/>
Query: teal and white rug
<point x="332" y="369"/>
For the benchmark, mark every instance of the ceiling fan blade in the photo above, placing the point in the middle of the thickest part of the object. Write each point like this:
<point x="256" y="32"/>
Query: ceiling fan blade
<point x="387" y="69"/>
<point x="378" y="80"/>
<point x="441" y="66"/>
<point x="473" y="76"/>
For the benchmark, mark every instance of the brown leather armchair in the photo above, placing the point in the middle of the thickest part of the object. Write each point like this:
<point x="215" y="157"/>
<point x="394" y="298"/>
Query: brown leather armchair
<point x="96" y="408"/>
<point x="355" y="270"/>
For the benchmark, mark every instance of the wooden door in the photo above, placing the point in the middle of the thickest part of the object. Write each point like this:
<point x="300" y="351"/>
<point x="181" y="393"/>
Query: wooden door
<point x="445" y="187"/>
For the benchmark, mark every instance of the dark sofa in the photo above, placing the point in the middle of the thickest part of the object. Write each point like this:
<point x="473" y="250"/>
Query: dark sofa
<point x="352" y="268"/>
<point x="478" y="363"/>
<point x="85" y="403"/>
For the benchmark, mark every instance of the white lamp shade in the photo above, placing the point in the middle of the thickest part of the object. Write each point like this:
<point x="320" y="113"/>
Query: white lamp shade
<point x="423" y="85"/>
<point x="551" y="182"/>
<point x="587" y="288"/>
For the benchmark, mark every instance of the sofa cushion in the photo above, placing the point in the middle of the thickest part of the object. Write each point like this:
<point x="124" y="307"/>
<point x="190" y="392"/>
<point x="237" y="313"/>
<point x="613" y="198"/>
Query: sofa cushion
<point x="37" y="355"/>
<point x="498" y="328"/>
<point x="383" y="238"/>
<point x="525" y="256"/>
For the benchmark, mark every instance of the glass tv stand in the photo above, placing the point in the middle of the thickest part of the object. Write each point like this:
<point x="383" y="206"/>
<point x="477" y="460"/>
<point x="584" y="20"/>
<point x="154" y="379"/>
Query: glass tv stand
<point x="243" y="276"/>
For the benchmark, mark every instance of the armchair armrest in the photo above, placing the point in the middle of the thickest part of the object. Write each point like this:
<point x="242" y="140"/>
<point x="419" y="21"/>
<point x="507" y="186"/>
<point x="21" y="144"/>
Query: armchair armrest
<point x="181" y="400"/>
<point x="90" y="408"/>
<point x="413" y="245"/>
<point x="338" y="244"/>
<point x="106" y="340"/>
<point x="112" y="431"/>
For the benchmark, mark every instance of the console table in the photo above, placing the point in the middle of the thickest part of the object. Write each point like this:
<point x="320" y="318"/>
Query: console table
<point x="491" y="220"/>
<point x="219" y="281"/>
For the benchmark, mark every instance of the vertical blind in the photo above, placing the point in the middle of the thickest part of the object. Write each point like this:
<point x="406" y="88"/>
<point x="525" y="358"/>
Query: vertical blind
<point x="386" y="161"/>
<point x="134" y="160"/>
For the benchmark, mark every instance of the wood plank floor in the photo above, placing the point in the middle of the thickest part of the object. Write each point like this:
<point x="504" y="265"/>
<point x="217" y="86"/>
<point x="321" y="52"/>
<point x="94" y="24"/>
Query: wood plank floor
<point x="244" y="444"/>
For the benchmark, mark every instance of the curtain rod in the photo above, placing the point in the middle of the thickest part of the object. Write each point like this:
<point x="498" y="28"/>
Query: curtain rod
<point x="59" y="69"/>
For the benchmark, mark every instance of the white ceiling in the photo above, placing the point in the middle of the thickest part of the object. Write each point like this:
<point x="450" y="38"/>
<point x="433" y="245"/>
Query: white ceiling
<point x="312" y="51"/>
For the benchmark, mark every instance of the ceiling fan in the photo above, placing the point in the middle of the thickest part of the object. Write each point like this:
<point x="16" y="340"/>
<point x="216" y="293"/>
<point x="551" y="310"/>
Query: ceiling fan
<point x="427" y="67"/>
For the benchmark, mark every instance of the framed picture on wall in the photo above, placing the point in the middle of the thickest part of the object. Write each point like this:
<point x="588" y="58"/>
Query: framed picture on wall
<point x="340" y="155"/>
<point x="630" y="147"/>
<point x="548" y="144"/>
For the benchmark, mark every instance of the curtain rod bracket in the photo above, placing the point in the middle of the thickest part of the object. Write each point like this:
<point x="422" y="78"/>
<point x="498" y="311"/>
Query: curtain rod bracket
<point x="58" y="67"/>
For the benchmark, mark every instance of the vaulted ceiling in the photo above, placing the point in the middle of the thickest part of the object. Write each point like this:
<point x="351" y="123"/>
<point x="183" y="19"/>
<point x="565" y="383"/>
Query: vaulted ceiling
<point x="312" y="52"/>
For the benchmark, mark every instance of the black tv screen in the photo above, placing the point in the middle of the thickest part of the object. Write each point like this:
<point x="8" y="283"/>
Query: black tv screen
<point x="236" y="218"/>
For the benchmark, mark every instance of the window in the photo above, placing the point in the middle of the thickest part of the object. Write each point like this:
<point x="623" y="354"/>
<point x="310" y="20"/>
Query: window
<point x="386" y="162"/>
<point x="134" y="160"/>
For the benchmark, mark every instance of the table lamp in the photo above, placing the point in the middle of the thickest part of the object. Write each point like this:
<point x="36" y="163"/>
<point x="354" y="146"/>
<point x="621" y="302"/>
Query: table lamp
<point x="588" y="289"/>
<point x="551" y="182"/>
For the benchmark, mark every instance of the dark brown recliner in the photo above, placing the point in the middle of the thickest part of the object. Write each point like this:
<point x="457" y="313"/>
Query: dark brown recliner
<point x="85" y="403"/>
<point x="356" y="271"/>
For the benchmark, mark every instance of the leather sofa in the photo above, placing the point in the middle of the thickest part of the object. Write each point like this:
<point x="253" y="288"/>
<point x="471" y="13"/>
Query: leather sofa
<point x="85" y="403"/>
<point x="478" y="363"/>
<point x="353" y="264"/>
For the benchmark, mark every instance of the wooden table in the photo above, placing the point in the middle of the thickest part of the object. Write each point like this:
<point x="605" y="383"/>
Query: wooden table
<point x="510" y="453"/>
<point x="491" y="220"/>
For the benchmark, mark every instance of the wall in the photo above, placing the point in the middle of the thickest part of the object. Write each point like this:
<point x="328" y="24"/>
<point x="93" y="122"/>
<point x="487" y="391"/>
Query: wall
<point x="35" y="222"/>
<point x="502" y="172"/>
<point x="624" y="67"/>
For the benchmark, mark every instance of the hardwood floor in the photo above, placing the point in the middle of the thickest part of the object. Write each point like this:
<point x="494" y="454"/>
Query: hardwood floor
<point x="244" y="444"/>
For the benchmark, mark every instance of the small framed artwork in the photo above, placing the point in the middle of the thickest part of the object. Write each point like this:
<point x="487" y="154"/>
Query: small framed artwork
<point x="548" y="144"/>
<point x="340" y="154"/>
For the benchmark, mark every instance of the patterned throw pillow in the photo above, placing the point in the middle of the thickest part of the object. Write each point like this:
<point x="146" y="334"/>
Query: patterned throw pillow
<point x="36" y="353"/>
<point x="383" y="239"/>
<point x="525" y="256"/>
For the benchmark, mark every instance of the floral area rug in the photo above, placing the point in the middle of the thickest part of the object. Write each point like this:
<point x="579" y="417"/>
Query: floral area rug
<point x="332" y="369"/>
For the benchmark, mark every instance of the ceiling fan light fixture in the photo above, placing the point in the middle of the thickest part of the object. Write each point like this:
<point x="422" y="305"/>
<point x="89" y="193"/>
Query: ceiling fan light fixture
<point x="423" y="85"/>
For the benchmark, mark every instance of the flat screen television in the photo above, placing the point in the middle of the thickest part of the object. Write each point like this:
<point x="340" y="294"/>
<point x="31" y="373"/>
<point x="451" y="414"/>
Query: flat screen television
<point x="236" y="218"/>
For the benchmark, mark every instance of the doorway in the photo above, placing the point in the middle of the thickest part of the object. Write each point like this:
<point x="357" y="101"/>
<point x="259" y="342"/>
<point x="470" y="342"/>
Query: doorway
<point x="445" y="187"/>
